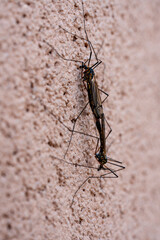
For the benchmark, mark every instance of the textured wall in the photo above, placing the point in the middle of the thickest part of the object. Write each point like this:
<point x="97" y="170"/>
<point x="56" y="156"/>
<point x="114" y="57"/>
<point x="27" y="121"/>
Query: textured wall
<point x="36" y="191"/>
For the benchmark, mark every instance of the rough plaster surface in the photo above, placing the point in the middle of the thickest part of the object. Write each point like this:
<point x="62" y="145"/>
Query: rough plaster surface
<point x="36" y="191"/>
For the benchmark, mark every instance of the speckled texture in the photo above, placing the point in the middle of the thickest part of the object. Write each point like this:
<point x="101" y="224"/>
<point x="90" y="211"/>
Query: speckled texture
<point x="36" y="191"/>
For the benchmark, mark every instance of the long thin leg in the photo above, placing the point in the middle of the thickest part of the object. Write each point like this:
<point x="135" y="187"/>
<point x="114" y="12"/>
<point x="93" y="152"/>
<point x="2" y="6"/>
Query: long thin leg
<point x="111" y="160"/>
<point x="51" y="112"/>
<point x="73" y="34"/>
<point x="109" y="146"/>
<point x="96" y="146"/>
<point x="90" y="177"/>
<point x="107" y="95"/>
<point x="82" y="185"/>
<point x="70" y="163"/>
<point x="79" y="116"/>
<point x="100" y="48"/>
<point x="104" y="65"/>
<point x="87" y="39"/>
<point x="71" y="130"/>
<point x="110" y="129"/>
<point x="104" y="93"/>
<point x="122" y="167"/>
<point x="104" y="175"/>
<point x="89" y="135"/>
<point x="74" y="128"/>
<point x="96" y="64"/>
<point x="85" y="166"/>
<point x="90" y="45"/>
<point x="66" y="59"/>
<point x="84" y="23"/>
<point x="82" y="132"/>
<point x="112" y="171"/>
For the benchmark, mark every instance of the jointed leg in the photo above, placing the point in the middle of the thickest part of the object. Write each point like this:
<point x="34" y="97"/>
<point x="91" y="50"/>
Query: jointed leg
<point x="74" y="128"/>
<point x="66" y="59"/>
<point x="96" y="146"/>
<point x="90" y="44"/>
<point x="90" y="177"/>
<point x="110" y="161"/>
<point x="71" y="130"/>
<point x="110" y="129"/>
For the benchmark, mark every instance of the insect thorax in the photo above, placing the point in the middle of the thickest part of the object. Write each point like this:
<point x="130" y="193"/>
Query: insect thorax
<point x="102" y="158"/>
<point x="88" y="74"/>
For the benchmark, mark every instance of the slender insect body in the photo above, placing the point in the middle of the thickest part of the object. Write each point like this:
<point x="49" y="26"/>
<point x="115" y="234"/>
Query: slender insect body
<point x="101" y="155"/>
<point x="93" y="92"/>
<point x="97" y="109"/>
<point x="94" y="99"/>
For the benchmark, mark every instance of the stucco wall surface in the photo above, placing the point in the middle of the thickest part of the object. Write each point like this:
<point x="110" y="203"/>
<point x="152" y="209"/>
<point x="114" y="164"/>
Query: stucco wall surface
<point x="38" y="88"/>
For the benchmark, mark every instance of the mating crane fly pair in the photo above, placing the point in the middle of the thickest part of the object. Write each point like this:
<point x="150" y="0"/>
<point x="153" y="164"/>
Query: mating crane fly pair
<point x="90" y="83"/>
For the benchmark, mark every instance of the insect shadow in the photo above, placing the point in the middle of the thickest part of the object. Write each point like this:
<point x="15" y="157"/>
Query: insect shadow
<point x="95" y="102"/>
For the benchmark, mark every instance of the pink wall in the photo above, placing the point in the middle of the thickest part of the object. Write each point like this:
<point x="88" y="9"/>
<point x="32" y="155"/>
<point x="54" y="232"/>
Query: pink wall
<point x="36" y="191"/>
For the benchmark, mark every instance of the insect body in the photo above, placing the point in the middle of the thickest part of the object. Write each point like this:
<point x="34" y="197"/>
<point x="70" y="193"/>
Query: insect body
<point x="101" y="155"/>
<point x="97" y="110"/>
<point x="93" y="94"/>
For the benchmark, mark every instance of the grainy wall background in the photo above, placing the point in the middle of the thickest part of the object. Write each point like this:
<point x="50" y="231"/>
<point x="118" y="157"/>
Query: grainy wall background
<point x="36" y="191"/>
